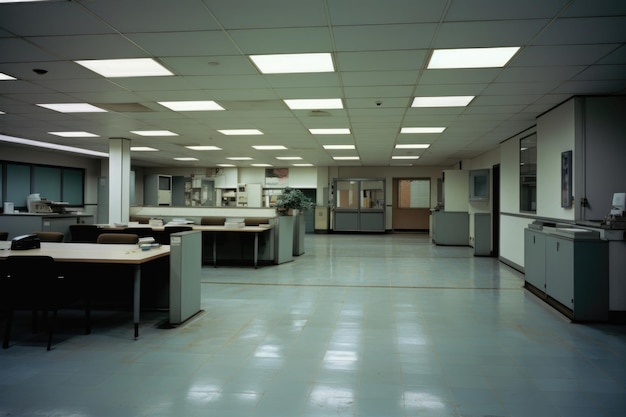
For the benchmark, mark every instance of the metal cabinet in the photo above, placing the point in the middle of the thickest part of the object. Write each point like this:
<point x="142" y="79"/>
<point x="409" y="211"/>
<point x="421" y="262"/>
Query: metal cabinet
<point x="535" y="261"/>
<point x="572" y="270"/>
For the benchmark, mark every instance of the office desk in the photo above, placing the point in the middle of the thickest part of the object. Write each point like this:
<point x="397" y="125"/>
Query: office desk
<point x="93" y="253"/>
<point x="215" y="229"/>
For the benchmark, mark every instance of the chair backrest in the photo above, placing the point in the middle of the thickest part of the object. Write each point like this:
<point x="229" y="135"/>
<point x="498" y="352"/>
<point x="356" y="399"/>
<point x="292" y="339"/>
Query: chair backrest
<point x="85" y="233"/>
<point x="31" y="278"/>
<point x="4" y="235"/>
<point x="213" y="221"/>
<point x="140" y="231"/>
<point x="50" y="236"/>
<point x="118" y="238"/>
<point x="255" y="221"/>
<point x="164" y="237"/>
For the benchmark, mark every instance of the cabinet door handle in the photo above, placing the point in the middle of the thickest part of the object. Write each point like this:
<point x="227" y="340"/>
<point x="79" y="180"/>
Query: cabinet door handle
<point x="534" y="239"/>
<point x="557" y="246"/>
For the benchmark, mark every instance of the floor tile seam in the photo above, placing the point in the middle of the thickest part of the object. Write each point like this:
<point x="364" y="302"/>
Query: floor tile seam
<point x="418" y="287"/>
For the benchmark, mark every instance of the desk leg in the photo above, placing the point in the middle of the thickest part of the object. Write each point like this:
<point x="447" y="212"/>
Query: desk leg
<point x="214" y="249"/>
<point x="256" y="249"/>
<point x="136" y="298"/>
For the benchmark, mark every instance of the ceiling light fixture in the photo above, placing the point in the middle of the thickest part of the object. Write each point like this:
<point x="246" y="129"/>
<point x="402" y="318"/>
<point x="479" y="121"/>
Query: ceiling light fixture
<point x="47" y="145"/>
<point x="314" y="104"/>
<point x="289" y="158"/>
<point x="261" y="165"/>
<point x="226" y="165"/>
<point x="334" y="147"/>
<point x="76" y="134"/>
<point x="471" y="57"/>
<point x="442" y="101"/>
<point x="293" y="63"/>
<point x="186" y="159"/>
<point x="345" y="158"/>
<point x="72" y="108"/>
<point x="133" y="67"/>
<point x="413" y="146"/>
<point x="153" y="133"/>
<point x="6" y="77"/>
<point x="142" y="149"/>
<point x="422" y="129"/>
<point x="405" y="157"/>
<point x="203" y="148"/>
<point x="202" y="105"/>
<point x="239" y="158"/>
<point x="240" y="132"/>
<point x="269" y="147"/>
<point x="302" y="165"/>
<point x="341" y="131"/>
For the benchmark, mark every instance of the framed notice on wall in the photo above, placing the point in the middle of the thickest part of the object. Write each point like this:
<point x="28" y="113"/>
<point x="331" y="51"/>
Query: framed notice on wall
<point x="566" y="179"/>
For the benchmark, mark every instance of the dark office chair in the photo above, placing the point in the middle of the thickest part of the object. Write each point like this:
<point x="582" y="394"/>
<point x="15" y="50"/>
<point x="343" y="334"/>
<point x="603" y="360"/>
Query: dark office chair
<point x="118" y="238"/>
<point x="4" y="235"/>
<point x="84" y="233"/>
<point x="32" y="283"/>
<point x="164" y="236"/>
<point x="50" y="236"/>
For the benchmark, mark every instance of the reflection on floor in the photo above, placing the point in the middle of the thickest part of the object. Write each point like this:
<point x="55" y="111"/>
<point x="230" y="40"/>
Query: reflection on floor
<point x="360" y="325"/>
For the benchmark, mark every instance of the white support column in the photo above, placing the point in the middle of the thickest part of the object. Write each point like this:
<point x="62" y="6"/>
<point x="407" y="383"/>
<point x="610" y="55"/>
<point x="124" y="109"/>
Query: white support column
<point x="119" y="180"/>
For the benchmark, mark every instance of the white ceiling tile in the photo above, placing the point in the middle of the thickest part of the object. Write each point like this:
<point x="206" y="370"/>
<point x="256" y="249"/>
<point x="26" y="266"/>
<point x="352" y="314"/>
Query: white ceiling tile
<point x="185" y="44"/>
<point x="282" y="41"/>
<point x="590" y="30"/>
<point x="381" y="60"/>
<point x="554" y="56"/>
<point x="502" y="10"/>
<point x="108" y="46"/>
<point x="487" y="34"/>
<point x="248" y="14"/>
<point x="359" y="12"/>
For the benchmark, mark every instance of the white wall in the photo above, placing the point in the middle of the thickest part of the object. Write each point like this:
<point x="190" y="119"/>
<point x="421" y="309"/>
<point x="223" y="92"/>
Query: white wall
<point x="556" y="133"/>
<point x="456" y="190"/>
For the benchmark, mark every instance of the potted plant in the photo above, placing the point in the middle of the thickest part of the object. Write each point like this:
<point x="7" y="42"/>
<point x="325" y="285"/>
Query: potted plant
<point x="292" y="201"/>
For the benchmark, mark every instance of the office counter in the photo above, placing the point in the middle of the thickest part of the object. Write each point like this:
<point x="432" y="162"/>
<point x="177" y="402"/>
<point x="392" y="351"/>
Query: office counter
<point x="23" y="223"/>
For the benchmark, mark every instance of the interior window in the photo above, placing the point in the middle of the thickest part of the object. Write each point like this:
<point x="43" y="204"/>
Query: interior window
<point x="528" y="174"/>
<point x="414" y="193"/>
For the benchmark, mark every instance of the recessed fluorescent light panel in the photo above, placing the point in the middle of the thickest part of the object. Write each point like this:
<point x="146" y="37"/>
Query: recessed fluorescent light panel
<point x="51" y="146"/>
<point x="203" y="148"/>
<point x="226" y="165"/>
<point x="74" y="134"/>
<point x="471" y="57"/>
<point x="6" y="77"/>
<point x="442" y="101"/>
<point x="186" y="159"/>
<point x="73" y="108"/>
<point x="142" y="149"/>
<point x="293" y="63"/>
<point x="405" y="157"/>
<point x="329" y="131"/>
<point x="261" y="165"/>
<point x="134" y="67"/>
<point x="239" y="158"/>
<point x="153" y="133"/>
<point x="240" y="132"/>
<point x="339" y="147"/>
<point x="269" y="147"/>
<point x="422" y="129"/>
<point x="314" y="104"/>
<point x="289" y="158"/>
<point x="413" y="146"/>
<point x="302" y="165"/>
<point x="345" y="158"/>
<point x="206" y="105"/>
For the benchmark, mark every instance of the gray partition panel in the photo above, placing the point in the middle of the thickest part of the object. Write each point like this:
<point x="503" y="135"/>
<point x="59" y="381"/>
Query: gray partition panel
<point x="185" y="273"/>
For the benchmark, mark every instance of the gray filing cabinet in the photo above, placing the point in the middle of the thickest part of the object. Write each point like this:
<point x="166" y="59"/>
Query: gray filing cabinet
<point x="450" y="228"/>
<point x="535" y="260"/>
<point x="482" y="234"/>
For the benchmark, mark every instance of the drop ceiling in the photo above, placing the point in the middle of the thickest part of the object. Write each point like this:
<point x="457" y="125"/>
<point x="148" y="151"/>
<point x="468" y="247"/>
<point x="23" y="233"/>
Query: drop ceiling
<point x="380" y="50"/>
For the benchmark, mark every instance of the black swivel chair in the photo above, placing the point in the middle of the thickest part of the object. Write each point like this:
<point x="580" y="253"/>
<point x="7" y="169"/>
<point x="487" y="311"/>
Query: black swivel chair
<point x="50" y="236"/>
<point x="32" y="283"/>
<point x="84" y="233"/>
<point x="4" y="235"/>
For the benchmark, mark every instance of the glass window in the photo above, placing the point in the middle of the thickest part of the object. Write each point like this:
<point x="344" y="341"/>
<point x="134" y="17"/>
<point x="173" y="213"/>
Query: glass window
<point x="347" y="193"/>
<point x="414" y="193"/>
<point x="372" y="194"/>
<point x="73" y="186"/>
<point x="528" y="174"/>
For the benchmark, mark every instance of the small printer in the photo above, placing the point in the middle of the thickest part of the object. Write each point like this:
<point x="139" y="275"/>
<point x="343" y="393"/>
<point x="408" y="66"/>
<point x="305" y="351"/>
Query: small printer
<point x="25" y="242"/>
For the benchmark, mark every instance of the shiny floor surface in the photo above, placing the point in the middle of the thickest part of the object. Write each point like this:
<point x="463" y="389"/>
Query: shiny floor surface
<point x="360" y="325"/>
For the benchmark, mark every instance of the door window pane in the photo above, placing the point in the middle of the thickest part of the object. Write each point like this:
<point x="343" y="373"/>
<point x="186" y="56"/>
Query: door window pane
<point x="414" y="193"/>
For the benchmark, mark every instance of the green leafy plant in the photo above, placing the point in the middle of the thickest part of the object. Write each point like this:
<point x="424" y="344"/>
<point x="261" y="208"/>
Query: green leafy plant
<point x="293" y="198"/>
